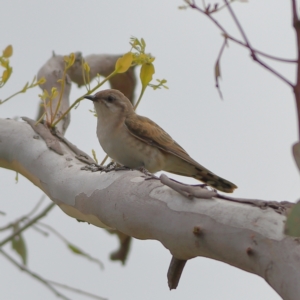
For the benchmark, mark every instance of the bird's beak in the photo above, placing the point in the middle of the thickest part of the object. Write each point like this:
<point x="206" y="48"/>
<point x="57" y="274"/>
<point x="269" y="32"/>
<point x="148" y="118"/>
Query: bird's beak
<point x="90" y="97"/>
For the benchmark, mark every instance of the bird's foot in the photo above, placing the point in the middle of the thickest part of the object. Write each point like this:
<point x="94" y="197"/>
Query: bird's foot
<point x="93" y="168"/>
<point x="117" y="167"/>
<point x="112" y="166"/>
<point x="147" y="173"/>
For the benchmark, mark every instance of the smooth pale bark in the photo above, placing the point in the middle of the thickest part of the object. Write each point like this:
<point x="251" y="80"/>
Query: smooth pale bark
<point x="242" y="235"/>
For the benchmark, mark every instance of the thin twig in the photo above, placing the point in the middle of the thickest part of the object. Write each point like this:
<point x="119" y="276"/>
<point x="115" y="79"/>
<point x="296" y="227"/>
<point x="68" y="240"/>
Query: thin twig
<point x="253" y="51"/>
<point x="68" y="244"/>
<point x="267" y="67"/>
<point x="238" y="41"/>
<point x="36" y="276"/>
<point x="295" y="14"/>
<point x="238" y="25"/>
<point x="82" y="97"/>
<point x="39" y="230"/>
<point x="104" y="160"/>
<point x="253" y="54"/>
<point x="36" y="207"/>
<point x="64" y="286"/>
<point x="10" y="225"/>
<point x="296" y="25"/>
<point x="17" y="232"/>
<point x="285" y="60"/>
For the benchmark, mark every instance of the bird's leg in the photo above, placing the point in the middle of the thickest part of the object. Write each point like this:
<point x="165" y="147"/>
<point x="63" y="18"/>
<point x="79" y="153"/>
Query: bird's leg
<point x="110" y="166"/>
<point x="113" y="166"/>
<point x="147" y="173"/>
<point x="93" y="168"/>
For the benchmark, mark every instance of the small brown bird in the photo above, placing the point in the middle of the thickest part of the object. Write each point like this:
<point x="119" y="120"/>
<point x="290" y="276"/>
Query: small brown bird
<point x="135" y="141"/>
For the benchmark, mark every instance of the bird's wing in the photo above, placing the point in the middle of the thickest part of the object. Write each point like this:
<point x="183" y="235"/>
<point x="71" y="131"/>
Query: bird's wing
<point x="150" y="133"/>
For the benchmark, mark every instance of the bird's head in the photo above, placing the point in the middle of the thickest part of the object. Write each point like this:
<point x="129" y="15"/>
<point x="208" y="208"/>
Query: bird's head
<point x="110" y="102"/>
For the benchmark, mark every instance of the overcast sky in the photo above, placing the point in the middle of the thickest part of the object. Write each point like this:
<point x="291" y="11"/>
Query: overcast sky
<point x="245" y="138"/>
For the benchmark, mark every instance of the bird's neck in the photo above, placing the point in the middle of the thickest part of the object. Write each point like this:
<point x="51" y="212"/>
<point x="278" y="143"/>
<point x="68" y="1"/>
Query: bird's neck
<point x="109" y="124"/>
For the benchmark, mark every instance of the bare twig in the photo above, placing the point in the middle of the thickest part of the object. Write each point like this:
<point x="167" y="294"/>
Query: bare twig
<point x="246" y="44"/>
<point x="17" y="232"/>
<point x="71" y="246"/>
<point x="229" y="37"/>
<point x="253" y="54"/>
<point x="296" y="25"/>
<point x="294" y="11"/>
<point x="218" y="69"/>
<point x="64" y="286"/>
<point x="35" y="208"/>
<point x="279" y="59"/>
<point x="238" y="25"/>
<point x="32" y="274"/>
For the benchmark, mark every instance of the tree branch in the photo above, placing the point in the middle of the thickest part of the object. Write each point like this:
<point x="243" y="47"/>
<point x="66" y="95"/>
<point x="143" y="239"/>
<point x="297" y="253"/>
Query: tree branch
<point x="146" y="209"/>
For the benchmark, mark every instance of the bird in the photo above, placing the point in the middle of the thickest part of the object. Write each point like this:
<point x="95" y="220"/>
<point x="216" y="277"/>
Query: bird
<point x="137" y="142"/>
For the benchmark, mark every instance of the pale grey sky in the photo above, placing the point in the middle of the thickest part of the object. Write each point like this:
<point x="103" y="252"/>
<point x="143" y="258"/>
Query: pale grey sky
<point x="245" y="138"/>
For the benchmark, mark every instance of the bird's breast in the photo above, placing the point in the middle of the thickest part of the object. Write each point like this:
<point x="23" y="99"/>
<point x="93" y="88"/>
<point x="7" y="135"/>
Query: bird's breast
<point x="129" y="151"/>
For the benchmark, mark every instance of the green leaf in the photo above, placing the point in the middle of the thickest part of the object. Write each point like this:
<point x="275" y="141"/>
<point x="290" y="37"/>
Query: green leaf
<point x="76" y="250"/>
<point x="25" y="87"/>
<point x="8" y="51"/>
<point x="18" y="245"/>
<point x="94" y="155"/>
<point x="124" y="63"/>
<point x="292" y="226"/>
<point x="147" y="71"/>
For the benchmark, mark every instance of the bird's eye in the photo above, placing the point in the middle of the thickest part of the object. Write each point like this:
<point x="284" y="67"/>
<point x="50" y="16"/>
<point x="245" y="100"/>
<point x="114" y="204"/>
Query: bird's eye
<point x="110" y="98"/>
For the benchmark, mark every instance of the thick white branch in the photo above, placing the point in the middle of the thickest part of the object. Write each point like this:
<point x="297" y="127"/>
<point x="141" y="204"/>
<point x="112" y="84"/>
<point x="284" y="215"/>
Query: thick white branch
<point x="241" y="235"/>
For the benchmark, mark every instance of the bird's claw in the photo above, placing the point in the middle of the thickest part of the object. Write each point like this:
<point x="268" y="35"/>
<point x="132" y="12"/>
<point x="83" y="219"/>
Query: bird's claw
<point x="93" y="168"/>
<point x="147" y="173"/>
<point x="115" y="167"/>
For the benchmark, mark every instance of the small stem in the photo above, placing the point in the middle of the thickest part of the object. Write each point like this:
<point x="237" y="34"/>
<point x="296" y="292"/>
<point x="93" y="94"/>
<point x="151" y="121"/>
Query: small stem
<point x="247" y="45"/>
<point x="238" y="25"/>
<point x="82" y="97"/>
<point x="285" y="60"/>
<point x="294" y="11"/>
<point x="296" y="25"/>
<point x="13" y="95"/>
<point x="60" y="95"/>
<point x="36" y="276"/>
<point x="104" y="160"/>
<point x="45" y="108"/>
<point x="41" y="118"/>
<point x="41" y="215"/>
<point x="64" y="286"/>
<point x="140" y="98"/>
<point x="51" y="111"/>
<point x="253" y="54"/>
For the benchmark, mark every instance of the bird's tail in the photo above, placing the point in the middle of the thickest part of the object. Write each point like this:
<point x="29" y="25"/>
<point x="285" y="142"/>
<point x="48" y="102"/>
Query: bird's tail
<point x="214" y="181"/>
<point x="191" y="168"/>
